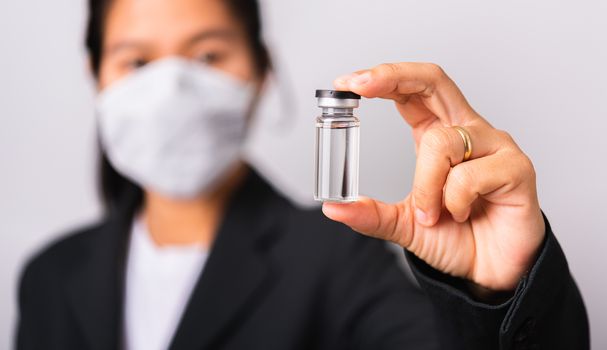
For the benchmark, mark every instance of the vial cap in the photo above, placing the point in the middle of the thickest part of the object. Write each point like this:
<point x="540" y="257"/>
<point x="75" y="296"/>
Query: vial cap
<point x="342" y="95"/>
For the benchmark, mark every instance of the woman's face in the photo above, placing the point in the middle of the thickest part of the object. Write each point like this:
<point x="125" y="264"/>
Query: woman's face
<point x="140" y="31"/>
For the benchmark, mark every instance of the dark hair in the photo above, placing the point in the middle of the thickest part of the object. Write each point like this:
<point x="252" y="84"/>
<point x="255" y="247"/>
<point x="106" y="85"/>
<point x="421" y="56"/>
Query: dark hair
<point x="117" y="191"/>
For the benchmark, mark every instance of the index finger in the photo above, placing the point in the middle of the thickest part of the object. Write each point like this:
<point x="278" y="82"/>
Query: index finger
<point x="400" y="81"/>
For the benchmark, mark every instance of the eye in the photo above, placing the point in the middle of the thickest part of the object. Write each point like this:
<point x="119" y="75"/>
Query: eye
<point x="209" y="57"/>
<point x="135" y="63"/>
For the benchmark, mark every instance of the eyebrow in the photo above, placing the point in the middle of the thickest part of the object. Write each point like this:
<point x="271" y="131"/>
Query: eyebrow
<point x="196" y="38"/>
<point x="211" y="34"/>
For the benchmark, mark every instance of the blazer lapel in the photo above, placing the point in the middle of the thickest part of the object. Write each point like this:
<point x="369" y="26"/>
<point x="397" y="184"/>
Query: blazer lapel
<point x="95" y="290"/>
<point x="238" y="270"/>
<point x="237" y="273"/>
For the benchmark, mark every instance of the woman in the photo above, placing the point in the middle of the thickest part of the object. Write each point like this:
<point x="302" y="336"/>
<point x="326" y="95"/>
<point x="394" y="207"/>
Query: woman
<point x="198" y="251"/>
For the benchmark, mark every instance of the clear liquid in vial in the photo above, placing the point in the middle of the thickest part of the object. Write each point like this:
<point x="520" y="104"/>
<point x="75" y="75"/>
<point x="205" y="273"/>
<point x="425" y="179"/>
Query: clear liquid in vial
<point x="337" y="148"/>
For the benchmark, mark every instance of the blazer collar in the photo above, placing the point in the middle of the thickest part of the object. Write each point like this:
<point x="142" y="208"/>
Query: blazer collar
<point x="235" y="276"/>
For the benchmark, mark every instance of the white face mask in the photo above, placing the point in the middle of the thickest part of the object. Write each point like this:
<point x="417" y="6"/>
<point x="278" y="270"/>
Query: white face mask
<point x="174" y="126"/>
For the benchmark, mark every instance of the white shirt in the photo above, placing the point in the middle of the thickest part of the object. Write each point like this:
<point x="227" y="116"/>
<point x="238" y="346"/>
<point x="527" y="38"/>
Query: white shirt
<point x="159" y="281"/>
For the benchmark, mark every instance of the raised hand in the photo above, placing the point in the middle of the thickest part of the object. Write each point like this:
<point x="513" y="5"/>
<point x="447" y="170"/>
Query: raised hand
<point x="478" y="219"/>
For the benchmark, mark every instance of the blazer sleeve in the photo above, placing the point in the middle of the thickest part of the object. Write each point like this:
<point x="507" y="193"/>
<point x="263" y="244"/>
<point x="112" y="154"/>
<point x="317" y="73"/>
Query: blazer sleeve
<point x="545" y="312"/>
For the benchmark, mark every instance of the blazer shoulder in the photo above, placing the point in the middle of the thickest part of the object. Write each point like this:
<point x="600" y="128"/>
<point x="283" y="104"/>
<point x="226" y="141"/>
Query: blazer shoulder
<point x="62" y="254"/>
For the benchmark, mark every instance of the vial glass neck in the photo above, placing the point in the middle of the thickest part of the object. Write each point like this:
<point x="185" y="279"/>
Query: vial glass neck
<point x="333" y="110"/>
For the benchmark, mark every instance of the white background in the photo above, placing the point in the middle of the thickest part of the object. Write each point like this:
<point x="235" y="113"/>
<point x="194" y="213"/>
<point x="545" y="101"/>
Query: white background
<point x="534" y="68"/>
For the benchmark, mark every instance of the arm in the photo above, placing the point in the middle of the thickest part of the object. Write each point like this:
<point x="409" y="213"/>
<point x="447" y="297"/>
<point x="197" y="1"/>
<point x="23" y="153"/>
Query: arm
<point x="473" y="213"/>
<point x="546" y="299"/>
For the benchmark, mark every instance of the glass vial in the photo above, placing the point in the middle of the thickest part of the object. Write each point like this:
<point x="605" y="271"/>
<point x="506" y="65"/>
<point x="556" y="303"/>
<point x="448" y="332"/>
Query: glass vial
<point x="337" y="147"/>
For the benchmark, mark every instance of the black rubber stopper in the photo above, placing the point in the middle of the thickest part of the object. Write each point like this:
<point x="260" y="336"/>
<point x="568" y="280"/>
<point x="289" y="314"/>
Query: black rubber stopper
<point x="343" y="95"/>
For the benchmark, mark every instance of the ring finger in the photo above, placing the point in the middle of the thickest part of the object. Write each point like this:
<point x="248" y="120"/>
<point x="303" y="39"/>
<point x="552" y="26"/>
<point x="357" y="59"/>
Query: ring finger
<point x="440" y="149"/>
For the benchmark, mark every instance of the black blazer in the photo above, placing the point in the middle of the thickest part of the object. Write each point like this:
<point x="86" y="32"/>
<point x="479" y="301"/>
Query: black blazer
<point x="279" y="277"/>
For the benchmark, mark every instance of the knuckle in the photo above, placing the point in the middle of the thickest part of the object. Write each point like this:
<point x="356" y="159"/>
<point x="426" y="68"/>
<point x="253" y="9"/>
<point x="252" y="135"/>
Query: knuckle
<point x="459" y="185"/>
<point x="521" y="165"/>
<point x="518" y="166"/>
<point x="425" y="198"/>
<point x="422" y="194"/>
<point x="504" y="137"/>
<point x="527" y="170"/>
<point x="461" y="179"/>
<point x="435" y="70"/>
<point x="386" y="69"/>
<point x="437" y="140"/>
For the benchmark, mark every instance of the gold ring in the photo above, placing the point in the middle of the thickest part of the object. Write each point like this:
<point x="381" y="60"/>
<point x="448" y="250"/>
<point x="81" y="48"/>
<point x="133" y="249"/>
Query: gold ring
<point x="467" y="141"/>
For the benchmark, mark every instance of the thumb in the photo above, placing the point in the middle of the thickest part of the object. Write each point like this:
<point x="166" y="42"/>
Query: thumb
<point x="372" y="218"/>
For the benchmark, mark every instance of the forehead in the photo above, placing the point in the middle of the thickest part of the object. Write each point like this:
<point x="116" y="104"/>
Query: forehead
<point x="165" y="19"/>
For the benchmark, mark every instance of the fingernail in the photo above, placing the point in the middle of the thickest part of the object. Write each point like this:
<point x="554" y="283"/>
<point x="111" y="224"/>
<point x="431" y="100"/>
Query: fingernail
<point x="327" y="209"/>
<point x="344" y="79"/>
<point x="422" y="217"/>
<point x="361" y="79"/>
